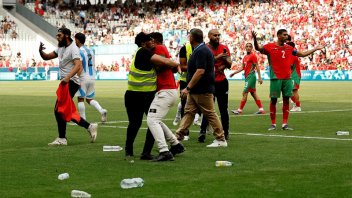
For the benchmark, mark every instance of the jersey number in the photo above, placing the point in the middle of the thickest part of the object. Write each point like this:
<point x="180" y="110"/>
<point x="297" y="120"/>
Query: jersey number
<point x="283" y="54"/>
<point x="90" y="62"/>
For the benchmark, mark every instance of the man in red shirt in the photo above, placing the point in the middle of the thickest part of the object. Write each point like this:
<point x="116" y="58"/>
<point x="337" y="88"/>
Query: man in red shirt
<point x="222" y="61"/>
<point x="280" y="60"/>
<point x="165" y="97"/>
<point x="249" y="65"/>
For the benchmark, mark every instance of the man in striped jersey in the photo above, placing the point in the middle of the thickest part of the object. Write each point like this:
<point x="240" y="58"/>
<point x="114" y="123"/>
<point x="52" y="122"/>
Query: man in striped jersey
<point x="87" y="79"/>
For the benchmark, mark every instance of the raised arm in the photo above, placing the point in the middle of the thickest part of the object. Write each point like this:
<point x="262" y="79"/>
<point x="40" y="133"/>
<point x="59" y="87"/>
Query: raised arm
<point x="256" y="45"/>
<point x="308" y="52"/>
<point x="44" y="55"/>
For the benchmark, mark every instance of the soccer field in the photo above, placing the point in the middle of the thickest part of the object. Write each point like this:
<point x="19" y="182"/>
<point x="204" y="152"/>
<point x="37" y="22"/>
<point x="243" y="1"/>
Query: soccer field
<point x="311" y="161"/>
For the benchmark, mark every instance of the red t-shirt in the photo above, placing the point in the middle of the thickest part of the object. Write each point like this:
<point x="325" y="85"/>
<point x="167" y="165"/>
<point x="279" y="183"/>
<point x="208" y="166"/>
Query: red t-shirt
<point x="249" y="62"/>
<point x="297" y="65"/>
<point x="165" y="77"/>
<point x="280" y="60"/>
<point x="219" y="74"/>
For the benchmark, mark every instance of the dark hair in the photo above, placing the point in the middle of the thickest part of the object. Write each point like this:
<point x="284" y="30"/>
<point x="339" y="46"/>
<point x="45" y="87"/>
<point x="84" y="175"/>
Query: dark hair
<point x="81" y="37"/>
<point x="281" y="31"/>
<point x="157" y="36"/>
<point x="65" y="31"/>
<point x="197" y="35"/>
<point x="291" y="44"/>
<point x="250" y="44"/>
<point x="289" y="38"/>
<point x="141" y="38"/>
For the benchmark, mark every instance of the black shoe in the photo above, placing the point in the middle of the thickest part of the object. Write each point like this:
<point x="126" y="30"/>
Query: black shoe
<point x="145" y="156"/>
<point x="201" y="138"/>
<point x="177" y="149"/>
<point x="164" y="156"/>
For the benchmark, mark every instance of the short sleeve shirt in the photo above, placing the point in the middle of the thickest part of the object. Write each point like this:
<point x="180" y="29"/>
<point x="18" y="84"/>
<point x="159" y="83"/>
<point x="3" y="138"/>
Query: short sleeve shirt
<point x="66" y="57"/>
<point x="142" y="60"/>
<point x="280" y="60"/>
<point x="202" y="58"/>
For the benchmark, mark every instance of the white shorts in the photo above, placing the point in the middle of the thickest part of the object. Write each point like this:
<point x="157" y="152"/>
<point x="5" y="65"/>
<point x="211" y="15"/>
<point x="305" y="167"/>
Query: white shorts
<point x="87" y="89"/>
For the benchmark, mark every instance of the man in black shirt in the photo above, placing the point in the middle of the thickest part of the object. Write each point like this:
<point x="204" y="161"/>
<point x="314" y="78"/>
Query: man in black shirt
<point x="200" y="89"/>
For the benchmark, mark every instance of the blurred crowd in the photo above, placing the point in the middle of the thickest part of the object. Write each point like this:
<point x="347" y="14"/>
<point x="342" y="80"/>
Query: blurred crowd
<point x="309" y="22"/>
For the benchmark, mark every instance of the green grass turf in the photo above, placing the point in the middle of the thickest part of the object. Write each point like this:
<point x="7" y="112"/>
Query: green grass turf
<point x="264" y="166"/>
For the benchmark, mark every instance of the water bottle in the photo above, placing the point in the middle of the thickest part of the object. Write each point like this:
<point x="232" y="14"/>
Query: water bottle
<point x="223" y="163"/>
<point x="112" y="148"/>
<point x="63" y="176"/>
<point x="78" y="193"/>
<point x="132" y="183"/>
<point x="342" y="133"/>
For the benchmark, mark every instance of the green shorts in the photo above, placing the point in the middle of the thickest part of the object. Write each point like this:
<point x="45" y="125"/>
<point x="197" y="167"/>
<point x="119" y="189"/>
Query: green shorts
<point x="250" y="83"/>
<point x="277" y="86"/>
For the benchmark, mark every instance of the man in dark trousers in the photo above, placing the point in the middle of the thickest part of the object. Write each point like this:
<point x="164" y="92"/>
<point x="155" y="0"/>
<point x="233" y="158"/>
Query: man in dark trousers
<point x="222" y="61"/>
<point x="70" y="66"/>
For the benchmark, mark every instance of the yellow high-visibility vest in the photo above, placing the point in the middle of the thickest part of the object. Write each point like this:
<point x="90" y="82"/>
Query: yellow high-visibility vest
<point x="139" y="80"/>
<point x="183" y="76"/>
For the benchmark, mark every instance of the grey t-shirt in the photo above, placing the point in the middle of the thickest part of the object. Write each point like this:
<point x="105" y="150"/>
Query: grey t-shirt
<point x="66" y="56"/>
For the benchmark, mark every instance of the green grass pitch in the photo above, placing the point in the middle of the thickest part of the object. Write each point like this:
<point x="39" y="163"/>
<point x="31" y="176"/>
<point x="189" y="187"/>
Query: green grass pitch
<point x="311" y="161"/>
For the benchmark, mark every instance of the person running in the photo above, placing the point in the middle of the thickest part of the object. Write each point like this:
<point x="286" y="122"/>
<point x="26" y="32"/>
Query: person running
<point x="249" y="65"/>
<point x="280" y="59"/>
<point x="87" y="78"/>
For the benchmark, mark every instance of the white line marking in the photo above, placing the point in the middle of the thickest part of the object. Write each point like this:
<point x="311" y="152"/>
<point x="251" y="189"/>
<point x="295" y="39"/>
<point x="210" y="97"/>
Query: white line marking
<point x="249" y="134"/>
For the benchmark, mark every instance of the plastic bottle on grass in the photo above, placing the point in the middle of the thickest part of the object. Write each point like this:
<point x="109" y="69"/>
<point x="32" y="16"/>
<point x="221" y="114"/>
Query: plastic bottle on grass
<point x="223" y="163"/>
<point x="132" y="183"/>
<point x="112" y="148"/>
<point x="63" y="176"/>
<point x="342" y="133"/>
<point x="79" y="193"/>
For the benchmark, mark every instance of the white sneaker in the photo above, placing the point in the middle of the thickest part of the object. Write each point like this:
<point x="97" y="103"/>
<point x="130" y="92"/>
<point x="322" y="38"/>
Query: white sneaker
<point x="93" y="130"/>
<point x="58" y="142"/>
<point x="296" y="109"/>
<point x="176" y="121"/>
<point x="217" y="143"/>
<point x="104" y="117"/>
<point x="185" y="138"/>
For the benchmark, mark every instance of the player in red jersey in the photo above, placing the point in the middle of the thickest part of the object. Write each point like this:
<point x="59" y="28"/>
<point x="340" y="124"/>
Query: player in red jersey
<point x="249" y="65"/>
<point x="280" y="57"/>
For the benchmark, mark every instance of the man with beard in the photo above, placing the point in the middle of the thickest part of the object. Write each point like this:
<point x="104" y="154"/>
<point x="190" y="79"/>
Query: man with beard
<point x="280" y="56"/>
<point x="222" y="61"/>
<point x="70" y="65"/>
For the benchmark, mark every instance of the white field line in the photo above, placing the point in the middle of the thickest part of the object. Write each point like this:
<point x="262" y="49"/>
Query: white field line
<point x="246" y="115"/>
<point x="249" y="134"/>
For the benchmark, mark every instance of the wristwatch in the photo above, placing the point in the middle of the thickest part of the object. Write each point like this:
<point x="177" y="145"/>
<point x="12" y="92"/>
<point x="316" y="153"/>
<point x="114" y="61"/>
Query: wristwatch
<point x="188" y="89"/>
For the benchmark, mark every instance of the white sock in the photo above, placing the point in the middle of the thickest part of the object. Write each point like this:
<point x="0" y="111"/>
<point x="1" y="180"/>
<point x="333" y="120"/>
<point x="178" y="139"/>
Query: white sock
<point x="178" y="113"/>
<point x="82" y="109"/>
<point x="196" y="117"/>
<point x="96" y="105"/>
